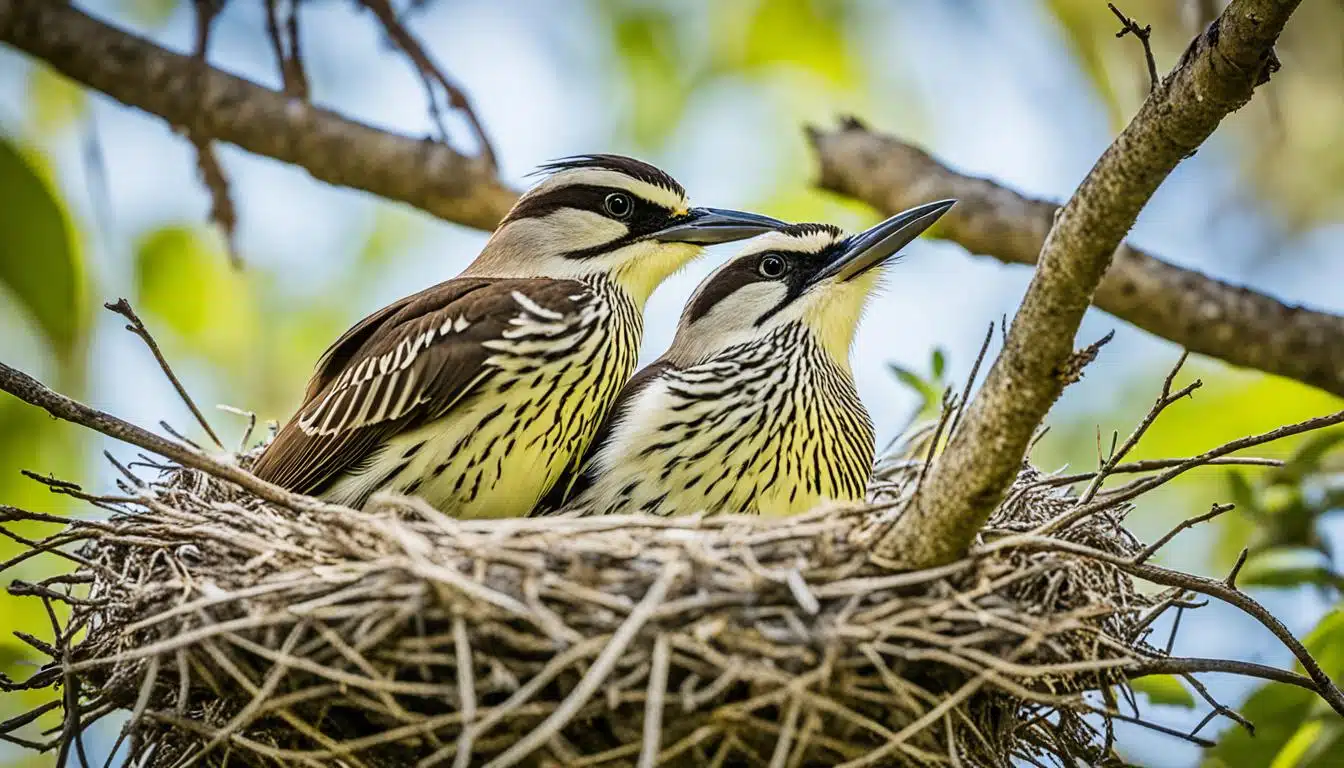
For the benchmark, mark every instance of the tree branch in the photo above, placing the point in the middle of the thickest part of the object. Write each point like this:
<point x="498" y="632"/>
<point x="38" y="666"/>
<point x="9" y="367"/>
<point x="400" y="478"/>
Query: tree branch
<point x="1205" y="315"/>
<point x="1215" y="76"/>
<point x="33" y="392"/>
<point x="426" y="174"/>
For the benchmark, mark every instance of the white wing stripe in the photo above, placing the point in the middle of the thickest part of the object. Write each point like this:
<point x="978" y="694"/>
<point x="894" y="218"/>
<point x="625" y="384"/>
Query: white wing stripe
<point x="535" y="308"/>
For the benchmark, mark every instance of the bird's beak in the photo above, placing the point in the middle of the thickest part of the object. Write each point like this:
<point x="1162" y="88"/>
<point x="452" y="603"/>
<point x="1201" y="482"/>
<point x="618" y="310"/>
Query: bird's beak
<point x="707" y="226"/>
<point x="874" y="246"/>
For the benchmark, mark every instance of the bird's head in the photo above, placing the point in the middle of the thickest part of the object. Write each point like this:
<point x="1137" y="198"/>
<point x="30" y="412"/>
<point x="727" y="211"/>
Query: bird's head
<point x="813" y="275"/>
<point x="608" y="215"/>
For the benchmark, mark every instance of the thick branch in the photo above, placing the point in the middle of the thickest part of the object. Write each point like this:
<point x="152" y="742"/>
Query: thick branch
<point x="426" y="174"/>
<point x="1202" y="314"/>
<point x="1215" y="76"/>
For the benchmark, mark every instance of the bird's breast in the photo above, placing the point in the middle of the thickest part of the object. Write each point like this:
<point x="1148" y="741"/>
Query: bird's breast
<point x="774" y="433"/>
<point x="500" y="450"/>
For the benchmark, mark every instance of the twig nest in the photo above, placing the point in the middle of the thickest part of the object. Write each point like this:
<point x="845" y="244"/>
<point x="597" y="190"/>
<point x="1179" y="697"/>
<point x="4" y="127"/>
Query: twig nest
<point x="237" y="631"/>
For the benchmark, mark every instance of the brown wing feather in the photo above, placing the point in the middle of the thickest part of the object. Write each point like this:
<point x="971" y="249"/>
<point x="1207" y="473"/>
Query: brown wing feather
<point x="404" y="366"/>
<point x="579" y="476"/>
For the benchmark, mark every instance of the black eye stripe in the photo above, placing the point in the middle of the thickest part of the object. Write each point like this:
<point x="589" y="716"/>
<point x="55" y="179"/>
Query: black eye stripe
<point x="587" y="197"/>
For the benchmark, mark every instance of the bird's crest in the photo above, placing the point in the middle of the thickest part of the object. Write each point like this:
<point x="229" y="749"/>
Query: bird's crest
<point x="635" y="169"/>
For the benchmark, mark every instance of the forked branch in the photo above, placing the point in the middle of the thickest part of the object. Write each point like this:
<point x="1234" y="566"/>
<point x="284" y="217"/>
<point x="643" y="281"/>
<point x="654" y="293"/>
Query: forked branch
<point x="1215" y="76"/>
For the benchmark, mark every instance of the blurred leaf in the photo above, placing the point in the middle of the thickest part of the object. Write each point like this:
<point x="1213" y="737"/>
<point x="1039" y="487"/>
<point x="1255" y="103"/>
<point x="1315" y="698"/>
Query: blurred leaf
<point x="1243" y="494"/>
<point x="1327" y="749"/>
<point x="1088" y="26"/>
<point x="1286" y="567"/>
<point x="40" y="262"/>
<point x="939" y="363"/>
<point x="184" y="282"/>
<point x="55" y="102"/>
<point x="646" y="42"/>
<point x="1279" y="711"/>
<point x="150" y="12"/>
<point x="914" y="381"/>
<point x="1276" y="710"/>
<point x="805" y="34"/>
<point x="395" y="229"/>
<point x="1167" y="690"/>
<point x="1311" y="454"/>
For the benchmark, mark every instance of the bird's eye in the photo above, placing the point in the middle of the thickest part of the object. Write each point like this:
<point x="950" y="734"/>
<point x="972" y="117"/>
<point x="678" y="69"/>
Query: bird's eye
<point x="772" y="266"/>
<point x="618" y="205"/>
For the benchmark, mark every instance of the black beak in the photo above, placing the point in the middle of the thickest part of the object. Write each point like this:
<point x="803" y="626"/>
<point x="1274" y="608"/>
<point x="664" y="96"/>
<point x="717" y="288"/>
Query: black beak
<point x="707" y="226"/>
<point x="874" y="246"/>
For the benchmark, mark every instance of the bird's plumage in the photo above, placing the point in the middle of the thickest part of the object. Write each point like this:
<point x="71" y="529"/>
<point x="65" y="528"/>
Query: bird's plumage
<point x="478" y="393"/>
<point x="753" y="408"/>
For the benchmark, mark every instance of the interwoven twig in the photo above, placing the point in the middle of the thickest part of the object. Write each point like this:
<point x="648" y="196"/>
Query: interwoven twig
<point x="242" y="625"/>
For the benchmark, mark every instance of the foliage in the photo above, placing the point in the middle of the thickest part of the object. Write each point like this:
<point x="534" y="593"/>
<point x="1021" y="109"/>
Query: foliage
<point x="248" y="339"/>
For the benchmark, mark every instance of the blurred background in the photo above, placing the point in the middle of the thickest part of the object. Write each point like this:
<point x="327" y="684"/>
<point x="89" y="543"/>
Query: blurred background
<point x="98" y="201"/>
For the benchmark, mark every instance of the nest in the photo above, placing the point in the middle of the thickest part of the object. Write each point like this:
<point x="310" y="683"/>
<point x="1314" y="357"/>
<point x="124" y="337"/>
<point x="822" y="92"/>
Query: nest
<point x="238" y="632"/>
<point x="244" y="632"/>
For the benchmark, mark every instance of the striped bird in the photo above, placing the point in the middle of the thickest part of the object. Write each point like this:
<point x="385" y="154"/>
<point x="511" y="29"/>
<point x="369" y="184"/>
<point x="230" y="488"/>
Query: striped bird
<point x="478" y="393"/>
<point x="753" y="409"/>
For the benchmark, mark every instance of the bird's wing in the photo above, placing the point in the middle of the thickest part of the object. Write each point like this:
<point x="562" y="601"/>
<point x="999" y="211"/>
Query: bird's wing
<point x="580" y="474"/>
<point x="405" y="366"/>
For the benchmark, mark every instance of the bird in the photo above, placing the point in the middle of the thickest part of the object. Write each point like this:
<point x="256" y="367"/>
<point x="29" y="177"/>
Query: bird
<point x="475" y="395"/>
<point x="753" y="408"/>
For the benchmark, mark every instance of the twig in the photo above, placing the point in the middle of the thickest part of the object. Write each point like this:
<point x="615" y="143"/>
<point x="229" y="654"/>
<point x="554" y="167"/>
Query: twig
<point x="1128" y="26"/>
<point x="33" y="392"/>
<point x="596" y="674"/>
<point x="222" y="211"/>
<point x="970" y="381"/>
<point x="432" y="74"/>
<point x="1138" y="487"/>
<point x="1152" y="549"/>
<point x="1325" y="688"/>
<point x="123" y="308"/>
<point x="654" y="702"/>
<point x="286" y="48"/>
<point x="1152" y="465"/>
<point x="1178" y="665"/>
<point x="1165" y="399"/>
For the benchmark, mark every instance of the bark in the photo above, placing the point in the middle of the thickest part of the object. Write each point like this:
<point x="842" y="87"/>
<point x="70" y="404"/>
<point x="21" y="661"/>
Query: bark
<point x="1215" y="76"/>
<point x="1202" y="314"/>
<point x="214" y="104"/>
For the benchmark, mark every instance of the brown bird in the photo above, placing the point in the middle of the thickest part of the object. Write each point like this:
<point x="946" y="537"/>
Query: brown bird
<point x="478" y="393"/>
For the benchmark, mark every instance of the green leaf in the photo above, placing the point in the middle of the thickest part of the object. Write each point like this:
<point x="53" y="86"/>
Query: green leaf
<point x="1309" y="456"/>
<point x="55" y="102"/>
<point x="914" y="381"/>
<point x="40" y="262"/>
<point x="1287" y="567"/>
<point x="646" y="41"/>
<point x="1279" y="711"/>
<point x="184" y="282"/>
<point x="939" y="363"/>
<point x="1166" y="690"/>
<point x="152" y="13"/>
<point x="803" y="34"/>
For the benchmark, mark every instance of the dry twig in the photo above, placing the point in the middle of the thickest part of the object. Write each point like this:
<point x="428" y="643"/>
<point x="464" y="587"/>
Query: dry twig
<point x="432" y="75"/>
<point x="304" y="634"/>
<point x="1130" y="26"/>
